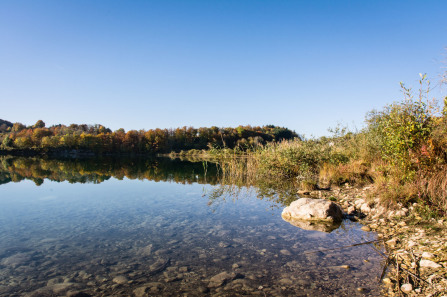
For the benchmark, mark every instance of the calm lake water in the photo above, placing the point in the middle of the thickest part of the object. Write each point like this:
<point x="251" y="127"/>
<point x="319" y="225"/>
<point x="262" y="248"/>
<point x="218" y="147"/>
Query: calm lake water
<point x="161" y="228"/>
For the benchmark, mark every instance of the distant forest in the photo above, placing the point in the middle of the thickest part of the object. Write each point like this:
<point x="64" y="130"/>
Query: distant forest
<point x="98" y="139"/>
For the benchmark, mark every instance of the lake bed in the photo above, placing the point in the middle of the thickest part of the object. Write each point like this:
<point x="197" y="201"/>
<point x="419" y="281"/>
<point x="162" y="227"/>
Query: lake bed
<point x="143" y="237"/>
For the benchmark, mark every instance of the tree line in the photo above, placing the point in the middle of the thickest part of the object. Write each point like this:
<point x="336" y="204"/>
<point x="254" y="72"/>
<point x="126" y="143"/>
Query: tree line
<point x="101" y="140"/>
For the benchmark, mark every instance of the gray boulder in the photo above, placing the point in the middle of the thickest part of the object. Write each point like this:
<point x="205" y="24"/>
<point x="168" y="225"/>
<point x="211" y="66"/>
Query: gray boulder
<point x="308" y="209"/>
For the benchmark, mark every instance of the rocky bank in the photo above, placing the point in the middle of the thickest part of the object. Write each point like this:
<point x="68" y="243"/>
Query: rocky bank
<point x="415" y="262"/>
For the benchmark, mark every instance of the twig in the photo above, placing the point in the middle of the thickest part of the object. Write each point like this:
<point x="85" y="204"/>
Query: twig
<point x="387" y="263"/>
<point x="343" y="247"/>
<point x="397" y="275"/>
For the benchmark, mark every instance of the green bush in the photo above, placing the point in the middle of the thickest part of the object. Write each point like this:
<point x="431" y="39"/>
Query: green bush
<point x="402" y="131"/>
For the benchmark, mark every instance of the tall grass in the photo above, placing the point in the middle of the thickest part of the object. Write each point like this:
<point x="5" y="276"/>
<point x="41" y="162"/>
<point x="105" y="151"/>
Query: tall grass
<point x="402" y="151"/>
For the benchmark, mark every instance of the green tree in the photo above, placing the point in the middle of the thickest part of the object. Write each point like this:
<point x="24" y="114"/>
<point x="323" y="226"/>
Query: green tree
<point x="39" y="124"/>
<point x="7" y="141"/>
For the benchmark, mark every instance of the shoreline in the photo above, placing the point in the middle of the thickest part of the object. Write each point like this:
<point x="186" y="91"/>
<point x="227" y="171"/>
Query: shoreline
<point x="416" y="247"/>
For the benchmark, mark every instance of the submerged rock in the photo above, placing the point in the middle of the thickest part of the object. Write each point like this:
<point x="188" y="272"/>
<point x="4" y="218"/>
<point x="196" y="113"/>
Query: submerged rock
<point x="120" y="279"/>
<point x="220" y="279"/>
<point x="16" y="260"/>
<point x="147" y="289"/>
<point x="321" y="226"/>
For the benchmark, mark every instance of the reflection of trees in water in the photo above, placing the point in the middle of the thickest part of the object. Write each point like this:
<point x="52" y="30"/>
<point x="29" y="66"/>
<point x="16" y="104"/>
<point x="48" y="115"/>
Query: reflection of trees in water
<point x="97" y="170"/>
<point x="280" y="194"/>
<point x="238" y="178"/>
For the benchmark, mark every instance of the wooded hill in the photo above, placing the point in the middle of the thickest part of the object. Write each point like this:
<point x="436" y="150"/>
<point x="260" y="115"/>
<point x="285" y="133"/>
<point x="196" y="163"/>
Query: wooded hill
<point x="98" y="139"/>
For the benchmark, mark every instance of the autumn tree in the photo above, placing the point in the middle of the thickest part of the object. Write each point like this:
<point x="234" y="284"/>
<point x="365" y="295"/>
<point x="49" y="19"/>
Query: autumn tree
<point x="39" y="124"/>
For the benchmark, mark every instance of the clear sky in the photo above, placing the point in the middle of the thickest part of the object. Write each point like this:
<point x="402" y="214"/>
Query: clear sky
<point x="305" y="65"/>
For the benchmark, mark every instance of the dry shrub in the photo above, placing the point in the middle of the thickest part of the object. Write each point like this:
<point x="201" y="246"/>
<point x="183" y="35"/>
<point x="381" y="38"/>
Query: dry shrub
<point x="393" y="192"/>
<point x="434" y="190"/>
<point x="355" y="172"/>
<point x="308" y="185"/>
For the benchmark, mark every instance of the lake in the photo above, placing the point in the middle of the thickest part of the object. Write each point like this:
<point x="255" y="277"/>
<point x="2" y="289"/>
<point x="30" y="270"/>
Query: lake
<point x="157" y="227"/>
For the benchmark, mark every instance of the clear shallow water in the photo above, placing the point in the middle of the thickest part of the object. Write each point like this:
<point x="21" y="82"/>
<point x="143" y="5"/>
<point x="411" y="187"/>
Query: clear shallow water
<point x="145" y="238"/>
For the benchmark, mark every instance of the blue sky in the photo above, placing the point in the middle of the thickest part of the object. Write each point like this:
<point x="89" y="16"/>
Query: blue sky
<point x="306" y="65"/>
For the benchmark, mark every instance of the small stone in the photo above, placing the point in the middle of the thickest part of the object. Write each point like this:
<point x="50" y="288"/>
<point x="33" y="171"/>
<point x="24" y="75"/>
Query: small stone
<point x="406" y="288"/>
<point x="411" y="243"/>
<point x="223" y="244"/>
<point x="427" y="255"/>
<point x="359" y="202"/>
<point x="77" y="294"/>
<point x="183" y="269"/>
<point x="147" y="250"/>
<point x="202" y="289"/>
<point x="392" y="242"/>
<point x="387" y="281"/>
<point x="429" y="264"/>
<point x="220" y="279"/>
<point x="286" y="281"/>
<point x="365" y="208"/>
<point x="120" y="279"/>
<point x="285" y="252"/>
<point x="401" y="213"/>
<point x="59" y="288"/>
<point x="373" y="226"/>
<point x="351" y="210"/>
<point x="141" y="291"/>
<point x="360" y="289"/>
<point x="366" y="228"/>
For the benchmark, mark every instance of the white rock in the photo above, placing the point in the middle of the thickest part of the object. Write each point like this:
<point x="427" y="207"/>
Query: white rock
<point x="406" y="288"/>
<point x="427" y="255"/>
<point x="351" y="209"/>
<point x="411" y="243"/>
<point x="429" y="264"/>
<point x="401" y="213"/>
<point x="365" y="208"/>
<point x="359" y="202"/>
<point x="392" y="242"/>
<point x="313" y="209"/>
